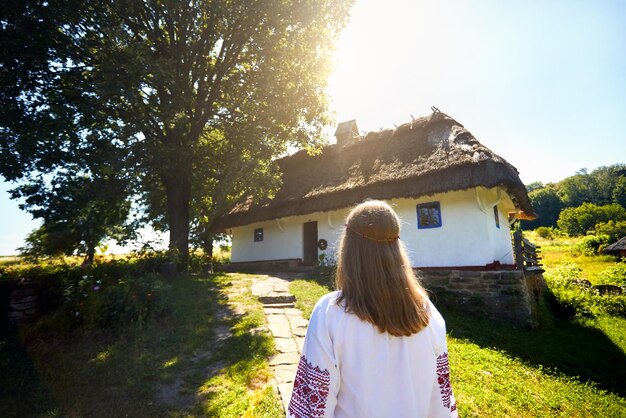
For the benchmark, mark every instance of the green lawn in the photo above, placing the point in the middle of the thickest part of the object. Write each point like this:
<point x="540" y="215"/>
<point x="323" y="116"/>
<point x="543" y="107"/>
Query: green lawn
<point x="207" y="357"/>
<point x="562" y="368"/>
<point x="558" y="251"/>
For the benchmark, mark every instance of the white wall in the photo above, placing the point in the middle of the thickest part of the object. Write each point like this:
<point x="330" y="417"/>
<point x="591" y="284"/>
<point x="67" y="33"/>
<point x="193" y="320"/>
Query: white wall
<point x="468" y="235"/>
<point x="283" y="239"/>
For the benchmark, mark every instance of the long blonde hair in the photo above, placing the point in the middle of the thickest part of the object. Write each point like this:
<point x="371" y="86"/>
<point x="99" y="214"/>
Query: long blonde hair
<point x="374" y="273"/>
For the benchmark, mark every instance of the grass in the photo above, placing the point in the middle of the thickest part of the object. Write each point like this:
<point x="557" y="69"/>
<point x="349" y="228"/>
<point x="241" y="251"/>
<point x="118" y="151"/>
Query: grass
<point x="571" y="368"/>
<point x="208" y="357"/>
<point x="307" y="293"/>
<point x="558" y="251"/>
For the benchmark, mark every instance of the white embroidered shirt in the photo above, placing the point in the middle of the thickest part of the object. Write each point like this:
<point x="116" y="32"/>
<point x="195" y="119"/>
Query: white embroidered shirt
<point x="349" y="368"/>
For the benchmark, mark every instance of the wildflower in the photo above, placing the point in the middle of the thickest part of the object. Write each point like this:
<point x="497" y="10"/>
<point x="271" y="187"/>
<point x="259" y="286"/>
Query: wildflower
<point x="96" y="288"/>
<point x="149" y="294"/>
<point x="77" y="313"/>
<point x="98" y="281"/>
<point x="85" y="277"/>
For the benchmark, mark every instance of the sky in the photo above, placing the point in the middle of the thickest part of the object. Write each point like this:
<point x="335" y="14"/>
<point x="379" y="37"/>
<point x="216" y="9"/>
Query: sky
<point x="540" y="83"/>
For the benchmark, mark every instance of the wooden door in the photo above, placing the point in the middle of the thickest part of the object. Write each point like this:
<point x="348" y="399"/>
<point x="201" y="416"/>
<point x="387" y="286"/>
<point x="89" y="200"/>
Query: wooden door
<point x="309" y="243"/>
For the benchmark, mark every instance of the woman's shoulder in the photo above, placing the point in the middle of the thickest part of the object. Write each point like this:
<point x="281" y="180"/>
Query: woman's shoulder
<point x="329" y="299"/>
<point x="435" y="317"/>
<point x="328" y="302"/>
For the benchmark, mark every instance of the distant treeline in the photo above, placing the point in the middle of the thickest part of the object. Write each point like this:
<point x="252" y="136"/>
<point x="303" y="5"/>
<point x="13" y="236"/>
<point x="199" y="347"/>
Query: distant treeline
<point x="577" y="203"/>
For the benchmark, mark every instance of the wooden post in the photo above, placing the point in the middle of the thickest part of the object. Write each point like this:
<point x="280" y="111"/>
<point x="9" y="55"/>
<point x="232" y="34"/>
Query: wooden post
<point x="517" y="247"/>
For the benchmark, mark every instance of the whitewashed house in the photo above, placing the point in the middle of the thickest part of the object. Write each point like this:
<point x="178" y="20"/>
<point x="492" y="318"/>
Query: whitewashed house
<point x="455" y="197"/>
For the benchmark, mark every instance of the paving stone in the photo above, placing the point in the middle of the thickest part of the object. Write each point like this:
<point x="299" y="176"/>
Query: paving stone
<point x="288" y="327"/>
<point x="279" y="305"/>
<point x="273" y="310"/>
<point x="284" y="373"/>
<point x="276" y="298"/>
<point x="279" y="326"/>
<point x="285" y="358"/>
<point x="285" y="390"/>
<point x="297" y="323"/>
<point x="293" y="312"/>
<point x="299" y="332"/>
<point x="286" y="345"/>
<point x="300" y="344"/>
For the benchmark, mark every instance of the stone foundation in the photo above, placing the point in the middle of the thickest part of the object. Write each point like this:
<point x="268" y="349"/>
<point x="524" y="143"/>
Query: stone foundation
<point x="510" y="295"/>
<point x="23" y="302"/>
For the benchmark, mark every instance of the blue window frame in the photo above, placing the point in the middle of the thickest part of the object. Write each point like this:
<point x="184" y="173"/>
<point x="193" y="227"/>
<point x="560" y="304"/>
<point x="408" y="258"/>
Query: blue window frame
<point x="496" y="216"/>
<point x="258" y="235"/>
<point x="428" y="215"/>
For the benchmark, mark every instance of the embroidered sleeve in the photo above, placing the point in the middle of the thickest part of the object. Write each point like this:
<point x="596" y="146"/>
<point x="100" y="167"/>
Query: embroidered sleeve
<point x="443" y="379"/>
<point x="316" y="383"/>
<point x="310" y="391"/>
<point x="442" y="402"/>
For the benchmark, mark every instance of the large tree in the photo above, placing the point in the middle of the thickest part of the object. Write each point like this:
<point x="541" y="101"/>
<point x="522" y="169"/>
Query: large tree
<point x="547" y="205"/>
<point x="196" y="97"/>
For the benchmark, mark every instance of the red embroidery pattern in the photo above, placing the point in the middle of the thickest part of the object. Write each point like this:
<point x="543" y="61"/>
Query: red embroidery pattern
<point x="443" y="377"/>
<point x="310" y="391"/>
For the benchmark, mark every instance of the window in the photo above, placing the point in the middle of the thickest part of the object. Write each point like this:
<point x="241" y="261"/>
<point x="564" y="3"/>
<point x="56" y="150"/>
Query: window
<point x="258" y="235"/>
<point x="496" y="216"/>
<point x="428" y="215"/>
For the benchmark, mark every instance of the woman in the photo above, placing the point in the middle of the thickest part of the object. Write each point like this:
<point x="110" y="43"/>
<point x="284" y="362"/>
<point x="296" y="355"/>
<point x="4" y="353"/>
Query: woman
<point x="376" y="347"/>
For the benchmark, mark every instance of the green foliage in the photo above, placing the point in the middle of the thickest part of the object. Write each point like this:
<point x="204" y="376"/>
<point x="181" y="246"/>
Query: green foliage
<point x="615" y="230"/>
<point x="546" y="232"/>
<point x="573" y="299"/>
<point x="78" y="214"/>
<point x="326" y="267"/>
<point x="101" y="300"/>
<point x="619" y="192"/>
<point x="547" y="205"/>
<point x="106" y="294"/>
<point x="614" y="275"/>
<point x="189" y="108"/>
<point x="603" y="186"/>
<point x="596" y="187"/>
<point x="591" y="244"/>
<point x="579" y="220"/>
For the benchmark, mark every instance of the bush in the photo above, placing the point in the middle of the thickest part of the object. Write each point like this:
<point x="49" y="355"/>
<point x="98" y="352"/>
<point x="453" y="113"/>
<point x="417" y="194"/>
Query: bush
<point x="590" y="245"/>
<point x="614" y="229"/>
<point x="574" y="300"/>
<point x="579" y="220"/>
<point x="545" y="232"/>
<point x="101" y="301"/>
<point x="105" y="294"/>
<point x="614" y="275"/>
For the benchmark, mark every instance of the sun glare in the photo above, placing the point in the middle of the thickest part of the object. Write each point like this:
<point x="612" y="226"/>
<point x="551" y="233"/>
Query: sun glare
<point x="392" y="59"/>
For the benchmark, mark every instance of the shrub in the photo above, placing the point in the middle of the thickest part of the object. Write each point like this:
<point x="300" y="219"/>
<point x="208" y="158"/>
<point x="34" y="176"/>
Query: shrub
<point x="590" y="245"/>
<point x="573" y="300"/>
<point x="545" y="232"/>
<point x="564" y="275"/>
<point x="105" y="294"/>
<point x="614" y="275"/>
<point x="614" y="229"/>
<point x="101" y="301"/>
<point x="579" y="220"/>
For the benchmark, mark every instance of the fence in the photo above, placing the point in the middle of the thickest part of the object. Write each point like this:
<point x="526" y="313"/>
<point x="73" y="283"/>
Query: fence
<point x="526" y="253"/>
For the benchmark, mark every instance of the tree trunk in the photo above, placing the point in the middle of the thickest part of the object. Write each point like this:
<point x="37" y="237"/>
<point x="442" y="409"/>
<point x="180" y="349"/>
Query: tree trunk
<point x="178" y="200"/>
<point x="207" y="246"/>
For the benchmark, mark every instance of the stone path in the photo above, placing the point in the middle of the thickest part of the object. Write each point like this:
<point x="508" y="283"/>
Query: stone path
<point x="287" y="326"/>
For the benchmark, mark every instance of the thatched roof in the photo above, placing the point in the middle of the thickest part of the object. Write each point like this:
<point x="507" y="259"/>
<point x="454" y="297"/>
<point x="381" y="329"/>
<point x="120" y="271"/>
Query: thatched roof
<point x="429" y="155"/>
<point x="617" y="246"/>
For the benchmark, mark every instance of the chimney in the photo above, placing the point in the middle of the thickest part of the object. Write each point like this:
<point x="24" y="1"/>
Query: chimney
<point x="346" y="131"/>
